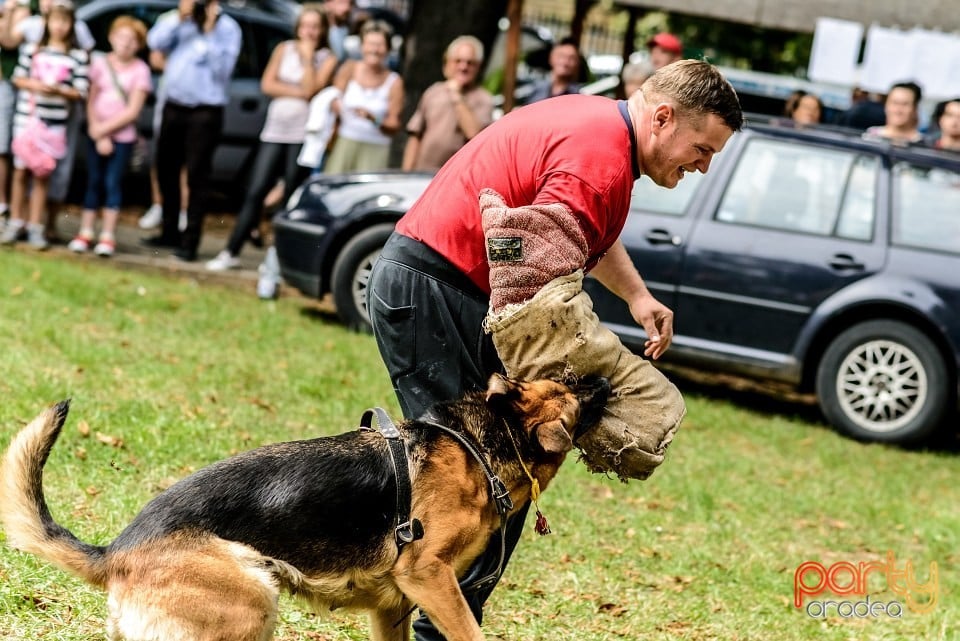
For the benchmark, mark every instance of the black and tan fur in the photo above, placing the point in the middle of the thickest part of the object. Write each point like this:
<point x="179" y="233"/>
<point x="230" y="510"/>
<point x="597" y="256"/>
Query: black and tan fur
<point x="206" y="559"/>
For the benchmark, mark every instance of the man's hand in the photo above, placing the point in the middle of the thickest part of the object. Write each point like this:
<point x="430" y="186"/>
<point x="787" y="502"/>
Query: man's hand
<point x="657" y="321"/>
<point x="455" y="88"/>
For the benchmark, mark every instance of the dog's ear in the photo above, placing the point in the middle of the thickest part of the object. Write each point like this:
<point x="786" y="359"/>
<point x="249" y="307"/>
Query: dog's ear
<point x="499" y="385"/>
<point x="554" y="438"/>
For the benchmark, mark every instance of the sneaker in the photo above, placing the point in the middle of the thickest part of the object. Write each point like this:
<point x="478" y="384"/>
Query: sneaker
<point x="223" y="262"/>
<point x="151" y="218"/>
<point x="105" y="247"/>
<point x="13" y="232"/>
<point x="80" y="244"/>
<point x="182" y="220"/>
<point x="36" y="237"/>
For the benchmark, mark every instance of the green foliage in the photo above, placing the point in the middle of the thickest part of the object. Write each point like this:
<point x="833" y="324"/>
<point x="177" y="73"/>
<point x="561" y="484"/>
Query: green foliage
<point x="167" y="376"/>
<point x="732" y="44"/>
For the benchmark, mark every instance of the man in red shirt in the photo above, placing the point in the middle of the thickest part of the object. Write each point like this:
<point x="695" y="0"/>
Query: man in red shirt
<point x="540" y="194"/>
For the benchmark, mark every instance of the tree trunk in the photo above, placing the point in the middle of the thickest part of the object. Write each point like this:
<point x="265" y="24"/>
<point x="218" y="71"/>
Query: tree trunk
<point x="581" y="9"/>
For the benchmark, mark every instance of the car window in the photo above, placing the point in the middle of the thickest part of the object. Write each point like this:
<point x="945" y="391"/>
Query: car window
<point x="795" y="187"/>
<point x="860" y="200"/>
<point x="648" y="197"/>
<point x="926" y="208"/>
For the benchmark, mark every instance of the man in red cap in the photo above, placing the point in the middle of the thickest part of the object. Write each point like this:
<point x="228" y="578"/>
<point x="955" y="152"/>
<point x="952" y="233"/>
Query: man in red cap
<point x="664" y="49"/>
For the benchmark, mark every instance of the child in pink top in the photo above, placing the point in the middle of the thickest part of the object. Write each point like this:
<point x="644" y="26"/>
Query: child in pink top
<point x="119" y="85"/>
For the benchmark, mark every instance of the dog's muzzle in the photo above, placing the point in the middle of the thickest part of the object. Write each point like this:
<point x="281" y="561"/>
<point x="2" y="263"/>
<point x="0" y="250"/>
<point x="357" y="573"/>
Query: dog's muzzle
<point x="592" y="392"/>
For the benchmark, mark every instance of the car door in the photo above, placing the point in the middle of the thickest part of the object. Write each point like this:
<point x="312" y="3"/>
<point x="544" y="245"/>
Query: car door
<point x="654" y="235"/>
<point x="796" y="223"/>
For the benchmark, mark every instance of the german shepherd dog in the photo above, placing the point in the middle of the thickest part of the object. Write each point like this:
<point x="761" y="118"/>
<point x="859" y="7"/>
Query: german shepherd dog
<point x="206" y="559"/>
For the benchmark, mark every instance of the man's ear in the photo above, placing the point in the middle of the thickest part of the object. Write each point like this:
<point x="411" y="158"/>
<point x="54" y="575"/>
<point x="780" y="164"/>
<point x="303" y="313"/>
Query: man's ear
<point x="663" y="114"/>
<point x="553" y="437"/>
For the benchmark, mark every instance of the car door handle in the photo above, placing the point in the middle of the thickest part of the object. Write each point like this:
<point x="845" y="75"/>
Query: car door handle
<point x="250" y="104"/>
<point x="845" y="262"/>
<point x="662" y="237"/>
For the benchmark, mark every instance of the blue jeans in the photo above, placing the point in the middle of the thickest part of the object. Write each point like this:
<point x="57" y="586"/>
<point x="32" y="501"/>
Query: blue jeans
<point x="105" y="175"/>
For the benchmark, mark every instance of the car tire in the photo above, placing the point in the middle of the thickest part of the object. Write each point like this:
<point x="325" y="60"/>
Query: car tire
<point x="884" y="381"/>
<point x="351" y="273"/>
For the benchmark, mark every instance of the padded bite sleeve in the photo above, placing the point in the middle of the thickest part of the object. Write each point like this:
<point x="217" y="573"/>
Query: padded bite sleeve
<point x="557" y="335"/>
<point x="528" y="246"/>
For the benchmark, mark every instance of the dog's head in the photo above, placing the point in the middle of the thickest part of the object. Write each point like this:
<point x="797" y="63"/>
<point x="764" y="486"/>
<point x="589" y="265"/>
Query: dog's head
<point x="551" y="414"/>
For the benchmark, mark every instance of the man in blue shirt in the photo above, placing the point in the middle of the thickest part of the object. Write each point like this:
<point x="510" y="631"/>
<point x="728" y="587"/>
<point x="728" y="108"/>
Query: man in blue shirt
<point x="565" y="72"/>
<point x="201" y="45"/>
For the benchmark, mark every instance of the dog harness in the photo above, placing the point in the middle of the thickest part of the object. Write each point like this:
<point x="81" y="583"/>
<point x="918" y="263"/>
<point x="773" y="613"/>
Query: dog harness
<point x="407" y="530"/>
<point x="498" y="494"/>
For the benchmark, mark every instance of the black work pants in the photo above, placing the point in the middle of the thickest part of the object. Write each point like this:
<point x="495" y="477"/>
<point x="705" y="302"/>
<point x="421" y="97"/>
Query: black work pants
<point x="273" y="160"/>
<point x="427" y="318"/>
<point x="188" y="137"/>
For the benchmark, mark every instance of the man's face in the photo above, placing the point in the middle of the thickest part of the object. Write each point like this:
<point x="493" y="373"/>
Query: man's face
<point x="682" y="144"/>
<point x="564" y="62"/>
<point x="899" y="108"/>
<point x="339" y="10"/>
<point x="661" y="57"/>
<point x="462" y="65"/>
<point x="950" y="120"/>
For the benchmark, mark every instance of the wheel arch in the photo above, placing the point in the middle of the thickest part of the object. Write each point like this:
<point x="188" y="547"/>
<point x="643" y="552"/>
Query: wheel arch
<point x="344" y="235"/>
<point x="851" y="316"/>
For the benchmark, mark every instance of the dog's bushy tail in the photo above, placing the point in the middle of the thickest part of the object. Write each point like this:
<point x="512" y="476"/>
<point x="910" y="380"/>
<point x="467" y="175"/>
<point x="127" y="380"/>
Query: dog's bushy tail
<point x="23" y="509"/>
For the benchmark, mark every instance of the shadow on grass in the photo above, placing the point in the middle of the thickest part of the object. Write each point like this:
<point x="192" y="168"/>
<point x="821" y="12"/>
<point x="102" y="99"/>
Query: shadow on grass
<point x="760" y="396"/>
<point x="778" y="399"/>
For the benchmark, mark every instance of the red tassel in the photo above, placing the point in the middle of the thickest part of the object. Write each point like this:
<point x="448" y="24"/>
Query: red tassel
<point x="542" y="527"/>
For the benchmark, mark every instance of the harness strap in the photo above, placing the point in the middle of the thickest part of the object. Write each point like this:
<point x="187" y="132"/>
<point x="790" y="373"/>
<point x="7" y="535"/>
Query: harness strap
<point x="406" y="530"/>
<point x="498" y="493"/>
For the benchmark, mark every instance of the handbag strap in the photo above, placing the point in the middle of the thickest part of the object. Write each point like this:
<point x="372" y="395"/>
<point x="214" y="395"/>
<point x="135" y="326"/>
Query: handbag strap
<point x="116" y="81"/>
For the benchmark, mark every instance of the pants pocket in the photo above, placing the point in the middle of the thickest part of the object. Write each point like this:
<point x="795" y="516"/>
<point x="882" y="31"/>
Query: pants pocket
<point x="395" y="329"/>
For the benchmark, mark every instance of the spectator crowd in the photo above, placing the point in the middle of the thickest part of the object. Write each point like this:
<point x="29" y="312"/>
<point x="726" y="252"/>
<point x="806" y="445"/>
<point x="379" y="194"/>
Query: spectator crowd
<point x="332" y="108"/>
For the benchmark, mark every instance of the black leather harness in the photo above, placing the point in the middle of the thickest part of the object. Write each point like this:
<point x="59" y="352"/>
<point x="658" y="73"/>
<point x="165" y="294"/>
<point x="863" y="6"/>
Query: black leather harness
<point x="408" y="530"/>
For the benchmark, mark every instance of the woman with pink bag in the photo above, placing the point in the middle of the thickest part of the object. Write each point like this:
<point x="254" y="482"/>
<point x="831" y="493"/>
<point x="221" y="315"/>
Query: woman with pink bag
<point x="50" y="76"/>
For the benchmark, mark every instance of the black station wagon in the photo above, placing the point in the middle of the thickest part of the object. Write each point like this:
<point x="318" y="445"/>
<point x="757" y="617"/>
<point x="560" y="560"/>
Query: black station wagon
<point x="806" y="256"/>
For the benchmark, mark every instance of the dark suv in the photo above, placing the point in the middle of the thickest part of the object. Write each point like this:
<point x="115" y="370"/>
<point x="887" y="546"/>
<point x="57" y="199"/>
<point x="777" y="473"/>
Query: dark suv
<point x="806" y="256"/>
<point x="263" y="24"/>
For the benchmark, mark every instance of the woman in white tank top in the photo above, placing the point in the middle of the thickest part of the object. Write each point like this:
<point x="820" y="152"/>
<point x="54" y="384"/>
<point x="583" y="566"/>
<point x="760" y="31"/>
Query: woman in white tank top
<point x="297" y="70"/>
<point x="369" y="107"/>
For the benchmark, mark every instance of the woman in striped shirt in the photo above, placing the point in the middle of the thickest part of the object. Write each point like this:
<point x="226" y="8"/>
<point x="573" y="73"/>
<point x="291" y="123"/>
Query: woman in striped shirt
<point x="50" y="76"/>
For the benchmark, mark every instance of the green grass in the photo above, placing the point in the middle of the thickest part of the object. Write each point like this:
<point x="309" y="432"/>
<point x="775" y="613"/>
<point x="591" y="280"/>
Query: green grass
<point x="167" y="376"/>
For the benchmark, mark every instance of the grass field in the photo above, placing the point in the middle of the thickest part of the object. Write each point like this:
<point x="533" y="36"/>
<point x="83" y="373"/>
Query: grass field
<point x="167" y="376"/>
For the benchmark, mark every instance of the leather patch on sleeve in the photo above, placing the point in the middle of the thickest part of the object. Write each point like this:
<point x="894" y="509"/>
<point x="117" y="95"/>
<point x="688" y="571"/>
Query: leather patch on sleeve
<point x="505" y="250"/>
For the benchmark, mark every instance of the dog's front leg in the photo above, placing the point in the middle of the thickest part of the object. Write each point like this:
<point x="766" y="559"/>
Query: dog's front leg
<point x="391" y="624"/>
<point x="434" y="588"/>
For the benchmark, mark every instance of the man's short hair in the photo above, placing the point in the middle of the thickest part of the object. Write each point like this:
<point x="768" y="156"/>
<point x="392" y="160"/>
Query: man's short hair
<point x="461" y="40"/>
<point x="696" y="87"/>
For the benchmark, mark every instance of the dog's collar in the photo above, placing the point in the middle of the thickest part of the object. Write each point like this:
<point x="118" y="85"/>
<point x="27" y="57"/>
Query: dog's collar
<point x="498" y="491"/>
<point x="407" y="530"/>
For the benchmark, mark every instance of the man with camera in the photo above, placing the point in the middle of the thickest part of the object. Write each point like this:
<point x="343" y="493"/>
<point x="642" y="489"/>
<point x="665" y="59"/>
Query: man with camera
<point x="201" y="45"/>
